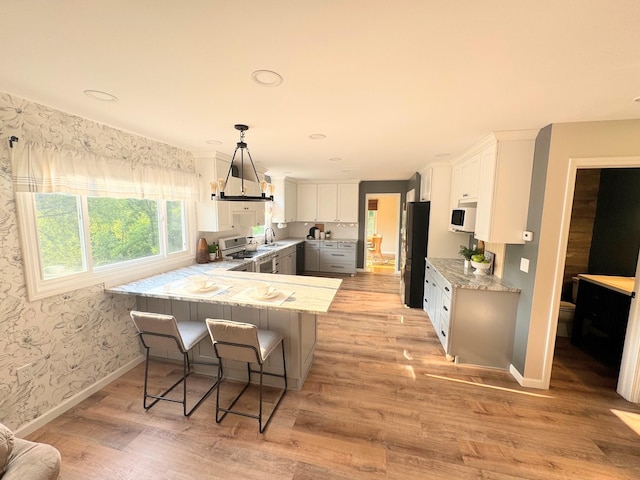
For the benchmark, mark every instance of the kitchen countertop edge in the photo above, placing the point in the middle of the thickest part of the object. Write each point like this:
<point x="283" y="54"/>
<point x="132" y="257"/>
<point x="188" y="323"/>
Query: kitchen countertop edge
<point x="452" y="269"/>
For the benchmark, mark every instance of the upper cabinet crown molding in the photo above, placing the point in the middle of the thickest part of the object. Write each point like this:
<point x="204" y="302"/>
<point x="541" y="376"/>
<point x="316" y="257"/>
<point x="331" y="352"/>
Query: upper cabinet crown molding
<point x="321" y="182"/>
<point x="491" y="139"/>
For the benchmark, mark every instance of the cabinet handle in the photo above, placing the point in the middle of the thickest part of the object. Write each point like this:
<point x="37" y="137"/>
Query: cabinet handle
<point x="447" y="289"/>
<point x="445" y="308"/>
<point x="443" y="334"/>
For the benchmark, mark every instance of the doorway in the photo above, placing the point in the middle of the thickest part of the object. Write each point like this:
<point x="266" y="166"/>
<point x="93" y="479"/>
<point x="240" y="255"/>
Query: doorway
<point x="582" y="205"/>
<point x="382" y="229"/>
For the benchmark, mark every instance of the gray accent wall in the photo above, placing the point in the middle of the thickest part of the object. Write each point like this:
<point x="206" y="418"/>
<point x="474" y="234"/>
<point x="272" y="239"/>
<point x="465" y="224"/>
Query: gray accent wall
<point x="513" y="253"/>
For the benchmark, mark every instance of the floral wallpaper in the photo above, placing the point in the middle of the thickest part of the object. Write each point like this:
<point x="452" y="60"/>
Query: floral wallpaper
<point x="76" y="339"/>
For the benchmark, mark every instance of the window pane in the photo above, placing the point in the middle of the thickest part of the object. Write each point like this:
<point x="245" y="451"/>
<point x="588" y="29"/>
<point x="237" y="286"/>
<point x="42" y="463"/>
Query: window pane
<point x="59" y="234"/>
<point x="176" y="226"/>
<point x="122" y="229"/>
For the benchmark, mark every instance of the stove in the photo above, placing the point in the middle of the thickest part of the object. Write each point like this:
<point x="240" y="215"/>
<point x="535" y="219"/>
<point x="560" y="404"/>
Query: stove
<point x="243" y="254"/>
<point x="235" y="248"/>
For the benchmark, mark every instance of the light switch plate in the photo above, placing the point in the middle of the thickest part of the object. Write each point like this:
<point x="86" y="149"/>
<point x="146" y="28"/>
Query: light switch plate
<point x="524" y="265"/>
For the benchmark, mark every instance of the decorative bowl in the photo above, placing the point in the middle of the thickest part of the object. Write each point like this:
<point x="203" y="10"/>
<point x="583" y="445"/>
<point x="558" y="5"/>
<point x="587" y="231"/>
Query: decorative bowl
<point x="481" y="267"/>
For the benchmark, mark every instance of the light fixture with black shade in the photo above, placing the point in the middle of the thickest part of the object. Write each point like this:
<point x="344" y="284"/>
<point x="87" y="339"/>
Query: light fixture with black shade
<point x="217" y="189"/>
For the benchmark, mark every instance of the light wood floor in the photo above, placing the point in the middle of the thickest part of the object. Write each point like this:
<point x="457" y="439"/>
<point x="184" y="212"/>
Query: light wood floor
<point x="381" y="402"/>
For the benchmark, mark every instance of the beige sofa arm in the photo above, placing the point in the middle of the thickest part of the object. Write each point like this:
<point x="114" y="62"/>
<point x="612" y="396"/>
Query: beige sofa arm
<point x="27" y="460"/>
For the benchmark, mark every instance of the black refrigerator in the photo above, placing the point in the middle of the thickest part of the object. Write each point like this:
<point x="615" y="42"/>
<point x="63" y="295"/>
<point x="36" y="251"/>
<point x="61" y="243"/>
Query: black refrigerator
<point x="415" y="236"/>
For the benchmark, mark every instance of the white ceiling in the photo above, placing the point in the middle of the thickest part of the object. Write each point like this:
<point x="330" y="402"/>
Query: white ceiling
<point x="394" y="85"/>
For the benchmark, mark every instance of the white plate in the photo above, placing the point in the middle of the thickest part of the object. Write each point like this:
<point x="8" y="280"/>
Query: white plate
<point x="208" y="287"/>
<point x="271" y="292"/>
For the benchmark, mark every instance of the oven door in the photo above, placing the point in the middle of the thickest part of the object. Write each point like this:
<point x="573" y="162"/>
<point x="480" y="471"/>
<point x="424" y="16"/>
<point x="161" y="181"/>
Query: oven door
<point x="266" y="265"/>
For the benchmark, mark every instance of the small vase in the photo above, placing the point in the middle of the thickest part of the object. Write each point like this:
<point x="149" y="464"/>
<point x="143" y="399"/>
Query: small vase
<point x="202" y="251"/>
<point x="467" y="265"/>
<point x="213" y="257"/>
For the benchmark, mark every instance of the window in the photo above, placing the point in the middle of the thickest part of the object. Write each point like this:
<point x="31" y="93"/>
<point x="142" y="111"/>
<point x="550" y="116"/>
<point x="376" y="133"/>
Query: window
<point x="372" y="222"/>
<point x="257" y="230"/>
<point x="86" y="240"/>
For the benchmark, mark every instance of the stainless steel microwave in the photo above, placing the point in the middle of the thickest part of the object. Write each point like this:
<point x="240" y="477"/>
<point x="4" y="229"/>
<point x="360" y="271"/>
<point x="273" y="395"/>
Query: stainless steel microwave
<point x="463" y="219"/>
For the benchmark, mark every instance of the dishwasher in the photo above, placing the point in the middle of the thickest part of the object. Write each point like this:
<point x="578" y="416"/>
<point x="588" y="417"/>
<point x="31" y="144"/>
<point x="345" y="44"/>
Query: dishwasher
<point x="300" y="258"/>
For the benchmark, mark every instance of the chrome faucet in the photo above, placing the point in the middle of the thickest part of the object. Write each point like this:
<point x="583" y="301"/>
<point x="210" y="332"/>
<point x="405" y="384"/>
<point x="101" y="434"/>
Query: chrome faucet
<point x="269" y="235"/>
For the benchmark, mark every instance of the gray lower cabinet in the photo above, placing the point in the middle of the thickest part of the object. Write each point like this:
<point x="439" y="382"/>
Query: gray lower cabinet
<point x="474" y="325"/>
<point x="286" y="261"/>
<point x="337" y="257"/>
<point x="330" y="256"/>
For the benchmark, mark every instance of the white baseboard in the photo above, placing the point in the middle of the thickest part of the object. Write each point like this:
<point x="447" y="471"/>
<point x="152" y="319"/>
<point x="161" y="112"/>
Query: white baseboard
<point x="527" y="382"/>
<point x="71" y="402"/>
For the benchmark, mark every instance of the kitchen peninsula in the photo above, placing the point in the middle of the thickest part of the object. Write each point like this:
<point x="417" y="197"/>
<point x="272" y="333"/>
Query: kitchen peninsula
<point x="291" y="308"/>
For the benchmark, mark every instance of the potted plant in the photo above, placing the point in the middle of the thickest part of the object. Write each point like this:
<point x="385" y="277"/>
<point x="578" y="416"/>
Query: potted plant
<point x="467" y="253"/>
<point x="328" y="234"/>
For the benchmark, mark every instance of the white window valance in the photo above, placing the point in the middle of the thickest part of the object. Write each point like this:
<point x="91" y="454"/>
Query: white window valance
<point x="50" y="169"/>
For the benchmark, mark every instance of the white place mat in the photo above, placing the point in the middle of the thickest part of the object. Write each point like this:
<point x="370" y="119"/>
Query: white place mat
<point x="186" y="291"/>
<point x="247" y="296"/>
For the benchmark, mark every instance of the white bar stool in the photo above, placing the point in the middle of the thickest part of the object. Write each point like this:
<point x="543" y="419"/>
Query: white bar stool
<point x="244" y="342"/>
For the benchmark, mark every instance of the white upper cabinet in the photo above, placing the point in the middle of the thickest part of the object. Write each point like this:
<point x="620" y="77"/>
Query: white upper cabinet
<point x="212" y="216"/>
<point x="467" y="180"/>
<point x="347" y="210"/>
<point x="505" y="161"/>
<point x="425" y="184"/>
<point x="216" y="216"/>
<point x="328" y="202"/>
<point x="307" y="210"/>
<point x="284" y="200"/>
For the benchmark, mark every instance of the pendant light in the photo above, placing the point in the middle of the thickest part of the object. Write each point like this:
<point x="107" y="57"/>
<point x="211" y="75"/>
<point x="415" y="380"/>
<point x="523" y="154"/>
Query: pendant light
<point x="219" y="187"/>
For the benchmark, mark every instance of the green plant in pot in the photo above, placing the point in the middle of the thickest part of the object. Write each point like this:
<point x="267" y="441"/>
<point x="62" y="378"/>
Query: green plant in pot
<point x="467" y="253"/>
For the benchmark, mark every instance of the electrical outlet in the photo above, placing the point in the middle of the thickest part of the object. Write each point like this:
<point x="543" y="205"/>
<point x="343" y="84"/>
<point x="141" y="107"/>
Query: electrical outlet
<point x="24" y="374"/>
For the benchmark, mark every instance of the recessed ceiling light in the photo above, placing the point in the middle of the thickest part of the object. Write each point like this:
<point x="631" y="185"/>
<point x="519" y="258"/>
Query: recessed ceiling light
<point x="102" y="96"/>
<point x="637" y="99"/>
<point x="335" y="159"/>
<point x="317" y="136"/>
<point x="266" y="78"/>
<point x="214" y="142"/>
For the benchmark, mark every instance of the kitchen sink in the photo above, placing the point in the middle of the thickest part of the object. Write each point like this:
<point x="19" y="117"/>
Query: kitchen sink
<point x="270" y="245"/>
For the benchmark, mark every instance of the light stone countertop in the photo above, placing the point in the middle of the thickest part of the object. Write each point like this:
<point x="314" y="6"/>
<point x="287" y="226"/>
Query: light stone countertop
<point x="622" y="285"/>
<point x="332" y="239"/>
<point x="452" y="269"/>
<point x="302" y="294"/>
